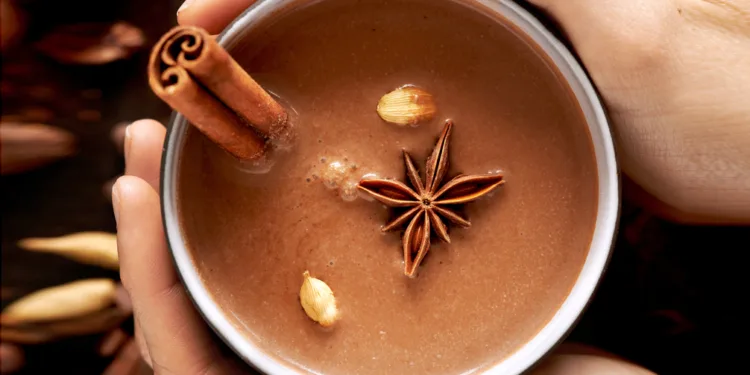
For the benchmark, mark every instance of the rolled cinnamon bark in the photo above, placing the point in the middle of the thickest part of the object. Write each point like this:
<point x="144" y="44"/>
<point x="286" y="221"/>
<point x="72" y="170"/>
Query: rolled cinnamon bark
<point x="198" y="78"/>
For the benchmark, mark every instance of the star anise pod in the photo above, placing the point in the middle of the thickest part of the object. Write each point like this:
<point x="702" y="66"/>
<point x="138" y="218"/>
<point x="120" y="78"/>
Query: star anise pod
<point x="428" y="204"/>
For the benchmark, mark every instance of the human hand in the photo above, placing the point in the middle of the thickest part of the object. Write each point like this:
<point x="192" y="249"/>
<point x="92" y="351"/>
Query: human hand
<point x="662" y="93"/>
<point x="170" y="334"/>
<point x="172" y="337"/>
<point x="675" y="76"/>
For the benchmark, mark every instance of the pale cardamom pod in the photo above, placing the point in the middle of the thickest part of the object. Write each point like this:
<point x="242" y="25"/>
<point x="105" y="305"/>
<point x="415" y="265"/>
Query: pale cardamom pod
<point x="407" y="105"/>
<point x="38" y="332"/>
<point x="65" y="301"/>
<point x="318" y="301"/>
<point x="96" y="248"/>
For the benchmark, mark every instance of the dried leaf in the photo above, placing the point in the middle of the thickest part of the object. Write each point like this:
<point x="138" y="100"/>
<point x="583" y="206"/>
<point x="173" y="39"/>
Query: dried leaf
<point x="407" y="105"/>
<point x="92" y="43"/>
<point x="75" y="299"/>
<point x="96" y="248"/>
<point x="24" y="147"/>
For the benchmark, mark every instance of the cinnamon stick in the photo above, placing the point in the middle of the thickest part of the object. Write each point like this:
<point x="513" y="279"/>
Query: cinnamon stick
<point x="198" y="78"/>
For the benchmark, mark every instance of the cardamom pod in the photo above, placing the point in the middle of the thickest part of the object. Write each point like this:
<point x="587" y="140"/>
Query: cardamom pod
<point x="407" y="105"/>
<point x="38" y="332"/>
<point x="65" y="301"/>
<point x="318" y="301"/>
<point x="95" y="248"/>
<point x="25" y="147"/>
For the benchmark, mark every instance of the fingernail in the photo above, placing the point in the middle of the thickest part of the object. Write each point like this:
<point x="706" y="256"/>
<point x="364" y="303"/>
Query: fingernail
<point x="126" y="146"/>
<point x="116" y="202"/>
<point x="184" y="5"/>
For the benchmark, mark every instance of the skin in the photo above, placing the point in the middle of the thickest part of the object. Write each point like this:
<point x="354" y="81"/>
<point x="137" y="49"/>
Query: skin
<point x="672" y="74"/>
<point x="674" y="77"/>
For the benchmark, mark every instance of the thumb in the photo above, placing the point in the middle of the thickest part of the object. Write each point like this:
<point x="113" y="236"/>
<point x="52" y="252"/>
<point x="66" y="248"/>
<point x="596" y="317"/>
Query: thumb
<point x="177" y="340"/>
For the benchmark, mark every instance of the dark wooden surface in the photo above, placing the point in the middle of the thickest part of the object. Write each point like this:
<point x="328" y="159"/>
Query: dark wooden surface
<point x="670" y="300"/>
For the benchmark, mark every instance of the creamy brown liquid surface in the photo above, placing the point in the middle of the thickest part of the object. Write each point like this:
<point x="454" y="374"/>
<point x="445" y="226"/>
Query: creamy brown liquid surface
<point x="476" y="300"/>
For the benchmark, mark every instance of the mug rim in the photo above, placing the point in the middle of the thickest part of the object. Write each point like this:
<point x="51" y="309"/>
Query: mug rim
<point x="575" y="303"/>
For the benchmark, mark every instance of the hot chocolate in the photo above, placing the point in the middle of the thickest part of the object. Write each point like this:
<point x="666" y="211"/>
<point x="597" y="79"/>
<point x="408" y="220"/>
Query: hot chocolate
<point x="473" y="301"/>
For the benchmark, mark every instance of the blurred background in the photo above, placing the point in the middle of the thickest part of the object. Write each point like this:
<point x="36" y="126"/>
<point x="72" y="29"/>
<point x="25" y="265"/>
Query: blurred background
<point x="73" y="72"/>
<point x="73" y="75"/>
